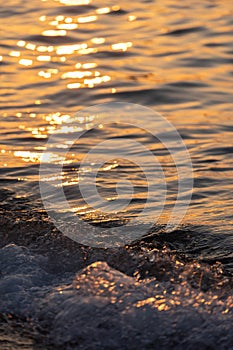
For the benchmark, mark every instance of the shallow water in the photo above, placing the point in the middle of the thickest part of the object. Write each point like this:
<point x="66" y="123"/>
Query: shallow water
<point x="58" y="57"/>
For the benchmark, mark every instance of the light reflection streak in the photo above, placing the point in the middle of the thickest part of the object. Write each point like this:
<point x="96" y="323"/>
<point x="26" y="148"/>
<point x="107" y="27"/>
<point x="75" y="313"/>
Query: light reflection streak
<point x="98" y="41"/>
<point x="86" y="65"/>
<point x="76" y="75"/>
<point x="73" y="86"/>
<point x="122" y="46"/>
<point x="81" y="75"/>
<point x="53" y="23"/>
<point x="69" y="49"/>
<point x="30" y="46"/>
<point x="57" y="118"/>
<point x="62" y="24"/>
<point x="87" y="19"/>
<point x="21" y="43"/>
<point x="103" y="10"/>
<point x="87" y="51"/>
<point x="25" y="62"/>
<point x="28" y="156"/>
<point x="51" y="32"/>
<point x="68" y="20"/>
<point x="14" y="53"/>
<point x="48" y="73"/>
<point x="132" y="18"/>
<point x="42" y="18"/>
<point x="95" y="81"/>
<point x="44" y="58"/>
<point x="45" y="75"/>
<point x="42" y="48"/>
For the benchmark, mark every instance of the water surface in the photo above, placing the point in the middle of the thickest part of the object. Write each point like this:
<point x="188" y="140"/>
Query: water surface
<point x="58" y="57"/>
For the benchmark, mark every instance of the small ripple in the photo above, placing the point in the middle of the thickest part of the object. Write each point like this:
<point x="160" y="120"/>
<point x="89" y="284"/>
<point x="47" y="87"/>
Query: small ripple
<point x="183" y="31"/>
<point x="51" y="40"/>
<point x="72" y="10"/>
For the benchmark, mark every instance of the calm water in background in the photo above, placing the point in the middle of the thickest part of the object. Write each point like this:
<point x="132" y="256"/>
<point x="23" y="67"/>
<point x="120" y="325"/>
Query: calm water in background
<point x="58" y="57"/>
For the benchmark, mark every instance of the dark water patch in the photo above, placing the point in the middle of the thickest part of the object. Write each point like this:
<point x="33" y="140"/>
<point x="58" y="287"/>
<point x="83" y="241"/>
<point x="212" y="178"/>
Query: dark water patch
<point x="113" y="54"/>
<point x="184" y="31"/>
<point x="73" y="98"/>
<point x="217" y="34"/>
<point x="204" y="62"/>
<point x="4" y="63"/>
<point x="20" y="171"/>
<point x="10" y="13"/>
<point x="5" y="46"/>
<point x="188" y="84"/>
<point x="229" y="52"/>
<point x="118" y="12"/>
<point x="170" y="53"/>
<point x="155" y="96"/>
<point x="30" y="106"/>
<point x="221" y="169"/>
<point x="51" y="40"/>
<point x="220" y="150"/>
<point x="73" y="10"/>
<point x="36" y="85"/>
<point x="213" y="44"/>
<point x="20" y="139"/>
<point x="205" y="181"/>
<point x="208" y="161"/>
<point x="227" y="128"/>
<point x="7" y="94"/>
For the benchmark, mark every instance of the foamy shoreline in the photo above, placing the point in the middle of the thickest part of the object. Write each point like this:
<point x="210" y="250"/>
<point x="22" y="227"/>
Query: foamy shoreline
<point x="140" y="297"/>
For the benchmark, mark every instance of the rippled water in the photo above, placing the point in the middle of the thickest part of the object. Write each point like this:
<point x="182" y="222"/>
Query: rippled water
<point x="58" y="57"/>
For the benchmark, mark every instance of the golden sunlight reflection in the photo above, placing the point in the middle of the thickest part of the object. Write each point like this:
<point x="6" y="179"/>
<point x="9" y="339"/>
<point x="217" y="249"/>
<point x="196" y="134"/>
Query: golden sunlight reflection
<point x="63" y="55"/>
<point x="30" y="46"/>
<point x="46" y="157"/>
<point x="132" y="18"/>
<point x="57" y="118"/>
<point x="55" y="122"/>
<point x="51" y="32"/>
<point x="122" y="46"/>
<point x="42" y="48"/>
<point x="108" y="284"/>
<point x="25" y="62"/>
<point x="42" y="18"/>
<point x="76" y="74"/>
<point x="98" y="41"/>
<point x="74" y="64"/>
<point x="86" y="65"/>
<point x="47" y="73"/>
<point x="14" y="53"/>
<point x="52" y="55"/>
<point x="87" y="19"/>
<point x="70" y="49"/>
<point x="103" y="10"/>
<point x="95" y="81"/>
<point x="21" y="43"/>
<point x="88" y="51"/>
<point x="44" y="58"/>
<point x="73" y="86"/>
<point x="28" y="156"/>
